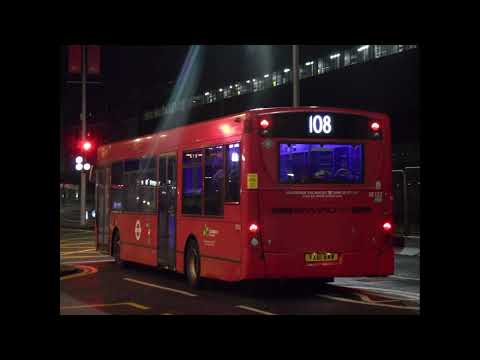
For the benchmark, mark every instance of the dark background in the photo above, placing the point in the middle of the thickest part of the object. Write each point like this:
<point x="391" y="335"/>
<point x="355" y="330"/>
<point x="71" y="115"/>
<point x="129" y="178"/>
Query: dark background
<point x="136" y="79"/>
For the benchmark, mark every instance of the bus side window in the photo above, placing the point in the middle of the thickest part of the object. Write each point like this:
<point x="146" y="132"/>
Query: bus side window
<point x="214" y="180"/>
<point x="232" y="179"/>
<point x="192" y="182"/>
<point x="117" y="186"/>
<point x="146" y="181"/>
<point x="130" y="185"/>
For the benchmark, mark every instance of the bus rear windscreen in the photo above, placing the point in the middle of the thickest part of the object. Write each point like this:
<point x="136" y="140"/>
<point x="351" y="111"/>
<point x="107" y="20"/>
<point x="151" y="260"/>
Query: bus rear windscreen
<point x="321" y="163"/>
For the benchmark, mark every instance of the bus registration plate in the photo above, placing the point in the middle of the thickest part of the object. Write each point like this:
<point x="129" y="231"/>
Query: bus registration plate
<point x="320" y="257"/>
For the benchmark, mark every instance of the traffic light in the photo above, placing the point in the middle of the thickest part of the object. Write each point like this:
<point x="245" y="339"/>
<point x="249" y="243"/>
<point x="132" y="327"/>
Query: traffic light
<point x="86" y="148"/>
<point x="87" y="145"/>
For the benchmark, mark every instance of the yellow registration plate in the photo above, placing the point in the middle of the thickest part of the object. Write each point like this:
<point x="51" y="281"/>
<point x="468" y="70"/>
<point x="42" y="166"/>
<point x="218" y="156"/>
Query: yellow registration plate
<point x="320" y="257"/>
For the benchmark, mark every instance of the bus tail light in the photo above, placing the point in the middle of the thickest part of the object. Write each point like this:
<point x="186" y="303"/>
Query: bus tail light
<point x="253" y="228"/>
<point x="375" y="126"/>
<point x="387" y="226"/>
<point x="264" y="123"/>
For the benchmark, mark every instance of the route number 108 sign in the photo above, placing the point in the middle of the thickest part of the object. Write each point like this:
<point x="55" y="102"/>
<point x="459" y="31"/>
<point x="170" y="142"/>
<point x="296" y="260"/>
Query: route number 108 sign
<point x="319" y="125"/>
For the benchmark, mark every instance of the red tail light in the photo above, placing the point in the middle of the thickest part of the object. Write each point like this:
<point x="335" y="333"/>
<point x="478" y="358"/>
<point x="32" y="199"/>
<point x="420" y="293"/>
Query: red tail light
<point x="387" y="226"/>
<point x="264" y="123"/>
<point x="253" y="228"/>
<point x="375" y="126"/>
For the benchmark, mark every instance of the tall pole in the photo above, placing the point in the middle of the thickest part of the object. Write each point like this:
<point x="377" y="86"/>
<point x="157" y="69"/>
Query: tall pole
<point x="296" y="87"/>
<point x="83" y="179"/>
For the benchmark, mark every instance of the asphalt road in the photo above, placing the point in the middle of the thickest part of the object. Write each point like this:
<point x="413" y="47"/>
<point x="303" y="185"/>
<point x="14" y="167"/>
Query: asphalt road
<point x="103" y="287"/>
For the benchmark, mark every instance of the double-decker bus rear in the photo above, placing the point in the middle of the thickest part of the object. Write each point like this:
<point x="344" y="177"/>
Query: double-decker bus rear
<point x="322" y="178"/>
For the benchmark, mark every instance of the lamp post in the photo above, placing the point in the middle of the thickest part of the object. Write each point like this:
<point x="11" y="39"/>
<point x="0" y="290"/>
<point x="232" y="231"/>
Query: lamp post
<point x="83" y="175"/>
<point x="296" y="85"/>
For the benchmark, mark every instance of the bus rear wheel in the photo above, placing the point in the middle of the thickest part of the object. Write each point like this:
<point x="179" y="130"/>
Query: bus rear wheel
<point x="192" y="265"/>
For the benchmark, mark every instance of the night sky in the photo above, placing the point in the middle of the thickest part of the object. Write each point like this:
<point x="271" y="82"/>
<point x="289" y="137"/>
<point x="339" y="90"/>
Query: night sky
<point x="140" y="71"/>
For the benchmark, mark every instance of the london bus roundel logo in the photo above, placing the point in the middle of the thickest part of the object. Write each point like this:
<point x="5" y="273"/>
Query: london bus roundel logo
<point x="138" y="230"/>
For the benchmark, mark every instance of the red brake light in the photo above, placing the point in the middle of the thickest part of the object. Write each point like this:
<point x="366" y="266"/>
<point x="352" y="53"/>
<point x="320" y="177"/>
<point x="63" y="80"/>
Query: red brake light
<point x="375" y="126"/>
<point x="387" y="226"/>
<point x="253" y="228"/>
<point x="264" y="123"/>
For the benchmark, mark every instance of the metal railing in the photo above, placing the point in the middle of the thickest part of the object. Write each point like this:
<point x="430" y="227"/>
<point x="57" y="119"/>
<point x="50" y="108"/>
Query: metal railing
<point x="406" y="200"/>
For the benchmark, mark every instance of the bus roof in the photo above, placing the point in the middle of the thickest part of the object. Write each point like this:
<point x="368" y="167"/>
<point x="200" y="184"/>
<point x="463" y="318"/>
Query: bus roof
<point x="148" y="139"/>
<point x="258" y="111"/>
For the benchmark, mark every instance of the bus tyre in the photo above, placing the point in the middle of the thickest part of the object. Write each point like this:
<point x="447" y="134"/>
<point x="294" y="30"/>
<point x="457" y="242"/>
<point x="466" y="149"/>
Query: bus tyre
<point x="192" y="265"/>
<point x="116" y="249"/>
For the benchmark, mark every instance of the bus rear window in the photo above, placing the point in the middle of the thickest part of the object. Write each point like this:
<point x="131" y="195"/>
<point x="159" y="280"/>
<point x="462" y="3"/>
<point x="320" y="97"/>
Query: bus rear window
<point x="321" y="163"/>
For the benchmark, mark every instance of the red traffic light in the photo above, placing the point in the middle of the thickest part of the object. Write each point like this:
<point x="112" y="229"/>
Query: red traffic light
<point x="87" y="145"/>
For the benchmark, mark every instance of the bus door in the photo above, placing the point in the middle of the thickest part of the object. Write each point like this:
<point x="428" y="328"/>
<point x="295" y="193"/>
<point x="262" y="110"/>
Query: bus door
<point x="167" y="206"/>
<point x="102" y="209"/>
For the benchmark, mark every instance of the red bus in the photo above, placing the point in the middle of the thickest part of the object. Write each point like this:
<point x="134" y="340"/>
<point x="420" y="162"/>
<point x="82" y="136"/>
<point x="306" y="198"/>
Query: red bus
<point x="303" y="192"/>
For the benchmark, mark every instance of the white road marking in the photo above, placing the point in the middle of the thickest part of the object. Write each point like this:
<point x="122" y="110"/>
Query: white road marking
<point x="406" y="294"/>
<point x="87" y="261"/>
<point x="254" y="310"/>
<point x="367" y="303"/>
<point x="160" y="287"/>
<point x="403" y="277"/>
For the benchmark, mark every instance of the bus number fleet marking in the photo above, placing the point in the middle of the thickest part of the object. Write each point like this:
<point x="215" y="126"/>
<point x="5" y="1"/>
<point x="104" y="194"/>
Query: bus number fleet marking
<point x="318" y="124"/>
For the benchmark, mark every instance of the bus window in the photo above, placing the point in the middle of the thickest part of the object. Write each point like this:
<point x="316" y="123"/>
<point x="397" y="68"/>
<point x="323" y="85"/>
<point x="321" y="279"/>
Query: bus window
<point x="117" y="186"/>
<point x="214" y="180"/>
<point x="146" y="182"/>
<point x="130" y="185"/>
<point x="232" y="192"/>
<point x="192" y="182"/>
<point x="321" y="163"/>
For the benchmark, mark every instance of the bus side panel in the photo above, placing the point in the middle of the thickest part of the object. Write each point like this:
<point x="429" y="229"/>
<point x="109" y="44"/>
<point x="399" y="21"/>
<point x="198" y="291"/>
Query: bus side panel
<point x="219" y="245"/>
<point x="253" y="260"/>
<point x="131" y="226"/>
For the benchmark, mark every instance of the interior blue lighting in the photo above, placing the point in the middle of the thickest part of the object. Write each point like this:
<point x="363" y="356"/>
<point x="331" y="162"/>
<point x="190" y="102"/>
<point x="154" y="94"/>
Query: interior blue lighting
<point x="321" y="163"/>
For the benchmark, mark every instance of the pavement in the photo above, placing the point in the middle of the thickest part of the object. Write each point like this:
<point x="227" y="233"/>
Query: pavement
<point x="103" y="287"/>
<point x="77" y="246"/>
<point x="408" y="245"/>
<point x="70" y="217"/>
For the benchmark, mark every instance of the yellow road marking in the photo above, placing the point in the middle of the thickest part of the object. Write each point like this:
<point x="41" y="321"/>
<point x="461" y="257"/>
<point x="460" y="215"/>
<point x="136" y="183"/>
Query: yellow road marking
<point x="75" y="246"/>
<point x="93" y="260"/>
<point x="82" y="256"/>
<point x="135" y="305"/>
<point x="76" y="243"/>
<point x="87" y="270"/>
<point x="78" y="238"/>
<point x="79" y="251"/>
